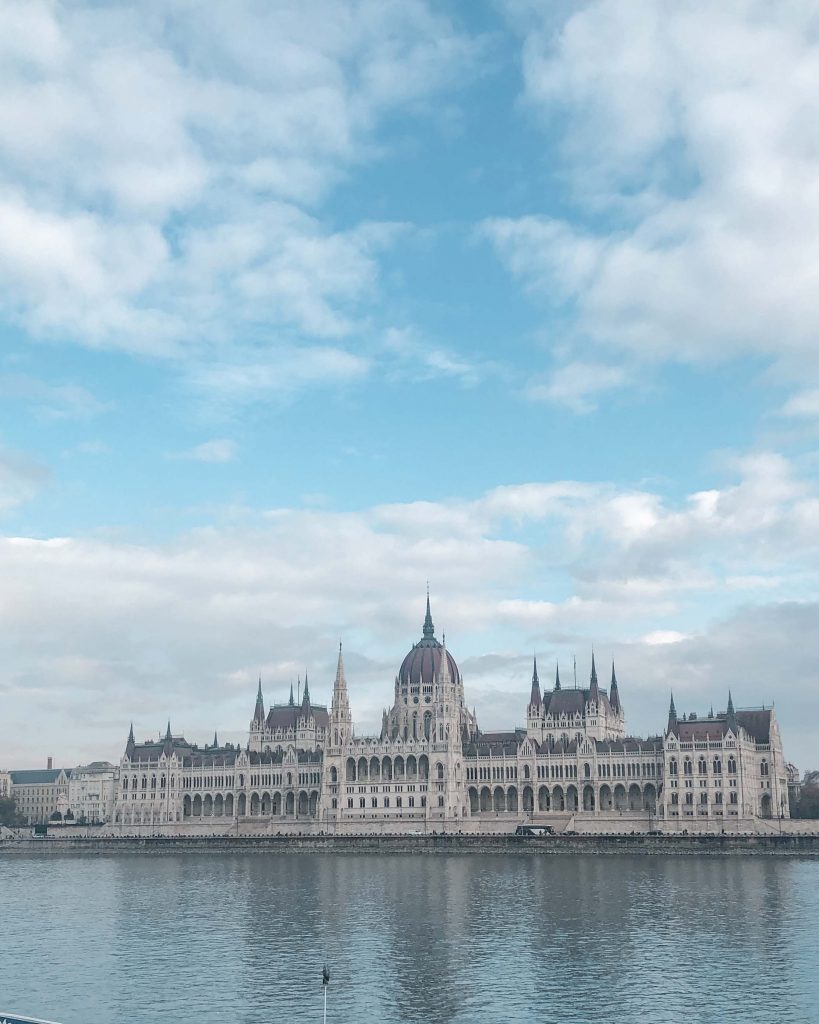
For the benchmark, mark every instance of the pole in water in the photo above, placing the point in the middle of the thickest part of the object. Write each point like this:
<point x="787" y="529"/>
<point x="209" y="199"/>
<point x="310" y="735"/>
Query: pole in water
<point x="325" y="981"/>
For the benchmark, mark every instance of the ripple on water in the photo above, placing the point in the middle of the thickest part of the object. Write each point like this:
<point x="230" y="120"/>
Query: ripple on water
<point x="455" y="939"/>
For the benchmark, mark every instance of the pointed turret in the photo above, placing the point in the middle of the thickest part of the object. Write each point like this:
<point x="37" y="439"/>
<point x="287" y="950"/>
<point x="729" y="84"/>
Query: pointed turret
<point x="672" y="716"/>
<point x="291" y="702"/>
<point x="535" y="699"/>
<point x="306" y="697"/>
<point x="594" y="689"/>
<point x="444" y="675"/>
<point x="131" y="743"/>
<point x="215" y="739"/>
<point x="557" y="676"/>
<point x="614" y="692"/>
<point x="429" y="629"/>
<point x="258" y="714"/>
<point x="731" y="717"/>
<point x="342" y="722"/>
<point x="167" y="746"/>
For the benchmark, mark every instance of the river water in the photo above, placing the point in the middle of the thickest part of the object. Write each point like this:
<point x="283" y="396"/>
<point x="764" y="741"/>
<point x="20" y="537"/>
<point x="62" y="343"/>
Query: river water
<point x="242" y="937"/>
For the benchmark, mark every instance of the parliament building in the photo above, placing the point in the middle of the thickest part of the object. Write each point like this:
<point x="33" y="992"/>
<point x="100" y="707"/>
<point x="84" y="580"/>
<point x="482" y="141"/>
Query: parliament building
<point x="432" y="767"/>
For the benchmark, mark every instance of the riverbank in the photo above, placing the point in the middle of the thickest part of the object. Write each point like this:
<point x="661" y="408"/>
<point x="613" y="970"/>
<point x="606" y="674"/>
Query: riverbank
<point x="762" y="845"/>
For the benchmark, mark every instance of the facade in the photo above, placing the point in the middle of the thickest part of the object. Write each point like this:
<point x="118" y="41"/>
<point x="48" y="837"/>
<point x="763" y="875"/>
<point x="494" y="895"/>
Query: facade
<point x="5" y="785"/>
<point x="432" y="766"/>
<point x="39" y="793"/>
<point x="91" y="792"/>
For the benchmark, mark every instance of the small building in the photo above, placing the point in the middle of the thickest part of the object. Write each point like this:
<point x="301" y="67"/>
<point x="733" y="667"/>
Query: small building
<point x="92" y="791"/>
<point x="40" y="792"/>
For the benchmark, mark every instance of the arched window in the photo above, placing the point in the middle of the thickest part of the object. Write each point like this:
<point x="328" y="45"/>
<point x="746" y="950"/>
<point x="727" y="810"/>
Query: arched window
<point x="717" y="766"/>
<point x="763" y="768"/>
<point x="702" y="766"/>
<point x="732" y="766"/>
<point x="526" y="771"/>
<point x="125" y="783"/>
<point x="672" y="766"/>
<point x="439" y="768"/>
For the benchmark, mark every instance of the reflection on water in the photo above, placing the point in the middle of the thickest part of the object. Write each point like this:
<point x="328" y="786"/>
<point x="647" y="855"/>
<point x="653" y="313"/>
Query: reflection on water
<point x="242" y="937"/>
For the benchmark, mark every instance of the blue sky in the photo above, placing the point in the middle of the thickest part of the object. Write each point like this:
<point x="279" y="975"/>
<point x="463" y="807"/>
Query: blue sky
<point x="303" y="305"/>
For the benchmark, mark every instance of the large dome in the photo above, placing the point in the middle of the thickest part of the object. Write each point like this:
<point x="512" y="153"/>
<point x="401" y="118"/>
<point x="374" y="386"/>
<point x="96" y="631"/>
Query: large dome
<point x="423" y="663"/>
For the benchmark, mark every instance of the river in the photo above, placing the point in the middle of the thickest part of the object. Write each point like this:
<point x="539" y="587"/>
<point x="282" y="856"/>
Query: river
<point x="242" y="937"/>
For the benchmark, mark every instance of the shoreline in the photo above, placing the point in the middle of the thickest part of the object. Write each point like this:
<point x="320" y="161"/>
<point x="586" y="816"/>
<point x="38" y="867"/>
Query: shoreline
<point x="788" y="845"/>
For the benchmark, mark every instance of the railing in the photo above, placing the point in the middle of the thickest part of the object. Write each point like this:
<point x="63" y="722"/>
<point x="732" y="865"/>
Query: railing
<point x="7" y="1018"/>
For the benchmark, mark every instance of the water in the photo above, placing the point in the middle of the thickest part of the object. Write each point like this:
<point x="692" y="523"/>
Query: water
<point x="242" y="938"/>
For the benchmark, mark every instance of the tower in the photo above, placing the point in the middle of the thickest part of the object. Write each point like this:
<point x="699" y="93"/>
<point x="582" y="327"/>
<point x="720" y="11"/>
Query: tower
<point x="341" y="721"/>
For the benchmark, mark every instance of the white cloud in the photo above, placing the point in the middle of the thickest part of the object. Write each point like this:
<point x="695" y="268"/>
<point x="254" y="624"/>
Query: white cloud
<point x="51" y="401"/>
<point x="183" y="627"/>
<point x="157" y="165"/>
<point x="691" y="149"/>
<point x="219" y="450"/>
<point x="20" y="479"/>
<point x="577" y="385"/>
<point x="663" y="636"/>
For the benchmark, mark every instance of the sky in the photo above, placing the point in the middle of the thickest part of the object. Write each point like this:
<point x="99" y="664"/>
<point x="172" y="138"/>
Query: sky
<point x="303" y="305"/>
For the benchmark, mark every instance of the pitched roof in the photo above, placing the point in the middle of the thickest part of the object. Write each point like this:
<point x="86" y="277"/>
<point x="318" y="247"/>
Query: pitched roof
<point x="286" y="716"/>
<point x="37" y="776"/>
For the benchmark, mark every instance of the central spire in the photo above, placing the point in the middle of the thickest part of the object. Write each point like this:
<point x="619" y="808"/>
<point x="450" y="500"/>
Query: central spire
<point x="429" y="629"/>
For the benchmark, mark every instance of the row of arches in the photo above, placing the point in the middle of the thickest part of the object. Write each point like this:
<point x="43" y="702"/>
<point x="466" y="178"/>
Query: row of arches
<point x="387" y="769"/>
<point x="265" y="804"/>
<point x="506" y="800"/>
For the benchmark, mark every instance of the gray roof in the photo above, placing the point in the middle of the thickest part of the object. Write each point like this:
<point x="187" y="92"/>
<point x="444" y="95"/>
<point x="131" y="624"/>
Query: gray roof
<point x="37" y="776"/>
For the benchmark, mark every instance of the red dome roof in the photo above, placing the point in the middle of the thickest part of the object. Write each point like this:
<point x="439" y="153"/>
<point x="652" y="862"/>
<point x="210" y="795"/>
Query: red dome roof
<point x="423" y="663"/>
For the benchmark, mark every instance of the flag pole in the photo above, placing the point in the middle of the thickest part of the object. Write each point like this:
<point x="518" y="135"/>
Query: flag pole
<point x="325" y="981"/>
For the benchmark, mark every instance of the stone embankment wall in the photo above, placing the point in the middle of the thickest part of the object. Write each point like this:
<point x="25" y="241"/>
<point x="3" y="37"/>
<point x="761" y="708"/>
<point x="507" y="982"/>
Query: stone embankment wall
<point x="776" y="845"/>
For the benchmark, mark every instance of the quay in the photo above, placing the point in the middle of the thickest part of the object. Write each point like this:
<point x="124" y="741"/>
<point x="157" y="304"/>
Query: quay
<point x="786" y="844"/>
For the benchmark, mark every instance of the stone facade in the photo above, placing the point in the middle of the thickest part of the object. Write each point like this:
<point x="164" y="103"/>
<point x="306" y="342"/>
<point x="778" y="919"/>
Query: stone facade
<point x="431" y="765"/>
<point x="92" y="792"/>
<point x="40" y="792"/>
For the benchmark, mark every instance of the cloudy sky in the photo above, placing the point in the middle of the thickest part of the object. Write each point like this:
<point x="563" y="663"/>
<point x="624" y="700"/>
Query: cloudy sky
<point x="305" y="304"/>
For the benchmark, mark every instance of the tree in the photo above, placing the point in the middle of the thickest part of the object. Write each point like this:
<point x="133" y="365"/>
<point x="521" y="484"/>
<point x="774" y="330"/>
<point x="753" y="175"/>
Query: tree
<point x="9" y="814"/>
<point x="807" y="806"/>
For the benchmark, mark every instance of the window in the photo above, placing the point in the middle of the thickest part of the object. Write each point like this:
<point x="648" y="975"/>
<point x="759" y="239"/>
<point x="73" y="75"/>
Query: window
<point x="732" y="766"/>
<point x="349" y="801"/>
<point x="688" y="768"/>
<point x="374" y="801"/>
<point x="386" y="801"/>
<point x="672" y="766"/>
<point x="733" y="799"/>
<point x="398" y="801"/>
<point x="763" y="768"/>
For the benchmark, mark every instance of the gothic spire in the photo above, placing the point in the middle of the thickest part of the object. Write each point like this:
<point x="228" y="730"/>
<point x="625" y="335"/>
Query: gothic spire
<point x="557" y="675"/>
<point x="614" y="692"/>
<point x="731" y="717"/>
<point x="429" y="629"/>
<point x="291" y="702"/>
<point x="215" y="739"/>
<point x="340" y="680"/>
<point x="258" y="713"/>
<point x="535" y="700"/>
<point x="168" y="736"/>
<point x="129" y="746"/>
<point x="594" y="689"/>
<point x="672" y="715"/>
<point x="306" y="697"/>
